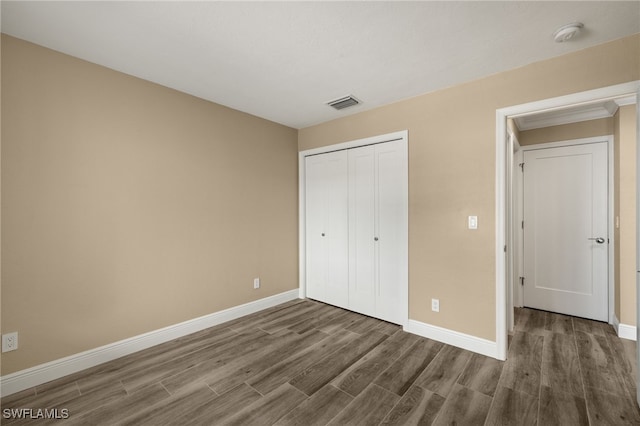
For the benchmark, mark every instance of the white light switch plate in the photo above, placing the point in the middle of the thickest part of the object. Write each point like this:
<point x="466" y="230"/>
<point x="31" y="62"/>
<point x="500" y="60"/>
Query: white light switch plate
<point x="473" y="222"/>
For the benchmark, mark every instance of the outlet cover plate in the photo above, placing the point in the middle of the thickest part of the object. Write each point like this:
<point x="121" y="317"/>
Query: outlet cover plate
<point x="9" y="342"/>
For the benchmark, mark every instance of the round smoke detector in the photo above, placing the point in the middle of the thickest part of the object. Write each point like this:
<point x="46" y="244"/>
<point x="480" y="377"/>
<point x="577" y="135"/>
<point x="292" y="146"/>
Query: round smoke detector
<point x="567" y="32"/>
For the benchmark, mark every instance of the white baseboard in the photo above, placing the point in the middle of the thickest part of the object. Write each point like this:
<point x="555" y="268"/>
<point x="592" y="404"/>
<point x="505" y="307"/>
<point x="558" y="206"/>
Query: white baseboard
<point x="627" y="332"/>
<point x="454" y="338"/>
<point x="624" y="331"/>
<point x="34" y="376"/>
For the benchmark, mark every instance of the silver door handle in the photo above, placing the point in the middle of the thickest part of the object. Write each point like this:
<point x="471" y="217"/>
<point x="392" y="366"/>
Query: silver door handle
<point x="598" y="240"/>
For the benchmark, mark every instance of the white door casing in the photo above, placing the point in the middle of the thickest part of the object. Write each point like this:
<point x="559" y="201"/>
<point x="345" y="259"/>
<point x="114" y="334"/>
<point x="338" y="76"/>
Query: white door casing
<point x="565" y="213"/>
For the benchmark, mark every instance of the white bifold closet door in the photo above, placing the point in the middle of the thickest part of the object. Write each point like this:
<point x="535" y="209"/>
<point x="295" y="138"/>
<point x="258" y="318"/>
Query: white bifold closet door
<point x="368" y="205"/>
<point x="327" y="223"/>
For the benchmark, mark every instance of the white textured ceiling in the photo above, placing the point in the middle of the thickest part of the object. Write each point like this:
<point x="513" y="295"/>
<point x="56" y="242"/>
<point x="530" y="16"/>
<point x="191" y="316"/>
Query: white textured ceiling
<point x="283" y="60"/>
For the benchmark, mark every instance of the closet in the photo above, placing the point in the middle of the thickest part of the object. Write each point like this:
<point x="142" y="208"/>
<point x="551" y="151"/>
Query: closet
<point x="356" y="226"/>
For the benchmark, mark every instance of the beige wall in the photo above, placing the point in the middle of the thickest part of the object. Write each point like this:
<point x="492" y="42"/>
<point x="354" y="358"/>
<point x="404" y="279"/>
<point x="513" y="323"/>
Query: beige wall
<point x="452" y="173"/>
<point x="584" y="129"/>
<point x="127" y="206"/>
<point x="625" y="209"/>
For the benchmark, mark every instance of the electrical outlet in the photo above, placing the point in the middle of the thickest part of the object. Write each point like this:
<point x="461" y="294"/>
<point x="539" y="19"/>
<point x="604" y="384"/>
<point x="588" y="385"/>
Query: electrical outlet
<point x="435" y="305"/>
<point x="256" y="283"/>
<point x="10" y="342"/>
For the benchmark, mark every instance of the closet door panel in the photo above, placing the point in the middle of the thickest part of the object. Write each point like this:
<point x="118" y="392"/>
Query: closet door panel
<point x="315" y="208"/>
<point x="327" y="228"/>
<point x="337" y="230"/>
<point x="390" y="213"/>
<point x="362" y="272"/>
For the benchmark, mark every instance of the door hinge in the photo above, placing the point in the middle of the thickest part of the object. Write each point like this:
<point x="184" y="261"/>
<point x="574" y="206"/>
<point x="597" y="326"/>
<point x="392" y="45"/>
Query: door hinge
<point x="505" y="249"/>
<point x="522" y="224"/>
<point x="522" y="281"/>
<point x="521" y="165"/>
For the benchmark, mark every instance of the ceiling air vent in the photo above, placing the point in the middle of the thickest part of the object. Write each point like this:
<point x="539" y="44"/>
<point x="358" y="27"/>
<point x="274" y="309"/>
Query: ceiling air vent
<point x="344" y="102"/>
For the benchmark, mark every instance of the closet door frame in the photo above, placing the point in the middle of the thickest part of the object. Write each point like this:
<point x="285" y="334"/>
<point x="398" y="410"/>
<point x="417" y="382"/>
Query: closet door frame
<point x="402" y="136"/>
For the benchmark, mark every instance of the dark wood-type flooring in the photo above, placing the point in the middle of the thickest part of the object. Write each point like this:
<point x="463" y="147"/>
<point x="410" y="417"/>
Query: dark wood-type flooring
<point x="307" y="363"/>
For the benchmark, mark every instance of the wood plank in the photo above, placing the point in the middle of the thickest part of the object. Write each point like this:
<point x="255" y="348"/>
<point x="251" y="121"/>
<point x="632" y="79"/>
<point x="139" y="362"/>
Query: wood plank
<point x="482" y="374"/>
<point x="341" y="322"/>
<point x="90" y="401"/>
<point x="417" y="407"/>
<point x="368" y="408"/>
<point x="560" y="408"/>
<point x="366" y="325"/>
<point x="558" y="323"/>
<point x="290" y="319"/>
<point x="400" y="375"/>
<point x="135" y="364"/>
<point x="597" y="364"/>
<point x="290" y="367"/>
<point x="13" y="399"/>
<point x="322" y="372"/>
<point x="254" y="318"/>
<point x="464" y="407"/>
<point x="442" y="373"/>
<point x="319" y="409"/>
<point x="388" y="328"/>
<point x="262" y="317"/>
<point x="560" y="364"/>
<point x="228" y="377"/>
<point x="122" y="408"/>
<point x="532" y="321"/>
<point x="324" y="314"/>
<point x="175" y="410"/>
<point x="587" y="326"/>
<point x="183" y="369"/>
<point x="63" y="393"/>
<point x="54" y="397"/>
<point x="624" y="354"/>
<point x="357" y="377"/>
<point x="268" y="409"/>
<point x="512" y="407"/>
<point x="522" y="370"/>
<point x="604" y="408"/>
<point x="225" y="406"/>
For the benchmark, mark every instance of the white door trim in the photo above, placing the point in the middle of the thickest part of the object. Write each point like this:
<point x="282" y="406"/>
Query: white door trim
<point x="610" y="92"/>
<point x="404" y="137"/>
<point x="610" y="208"/>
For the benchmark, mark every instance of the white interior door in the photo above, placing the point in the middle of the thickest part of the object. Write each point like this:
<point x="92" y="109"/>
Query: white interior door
<point x="566" y="230"/>
<point x="327" y="269"/>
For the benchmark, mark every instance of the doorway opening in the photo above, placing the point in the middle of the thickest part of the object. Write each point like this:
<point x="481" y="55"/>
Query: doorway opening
<point x="507" y="272"/>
